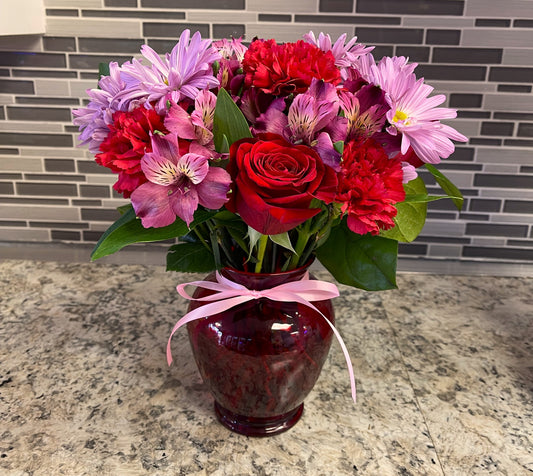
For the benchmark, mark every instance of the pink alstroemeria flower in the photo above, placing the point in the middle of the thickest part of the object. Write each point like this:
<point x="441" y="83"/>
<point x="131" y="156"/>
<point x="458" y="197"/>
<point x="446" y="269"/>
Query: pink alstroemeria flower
<point x="177" y="184"/>
<point x="312" y="120"/>
<point x="198" y="126"/>
<point x="230" y="74"/>
<point x="365" y="111"/>
<point x="182" y="73"/>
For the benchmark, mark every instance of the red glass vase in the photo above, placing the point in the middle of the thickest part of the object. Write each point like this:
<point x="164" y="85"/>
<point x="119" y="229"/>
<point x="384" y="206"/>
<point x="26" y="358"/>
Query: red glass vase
<point x="260" y="359"/>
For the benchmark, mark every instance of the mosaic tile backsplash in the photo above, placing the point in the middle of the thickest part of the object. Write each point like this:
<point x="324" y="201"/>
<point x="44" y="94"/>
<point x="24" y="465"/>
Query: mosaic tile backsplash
<point x="478" y="52"/>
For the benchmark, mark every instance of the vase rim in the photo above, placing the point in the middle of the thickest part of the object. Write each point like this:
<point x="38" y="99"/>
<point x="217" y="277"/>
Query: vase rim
<point x="279" y="273"/>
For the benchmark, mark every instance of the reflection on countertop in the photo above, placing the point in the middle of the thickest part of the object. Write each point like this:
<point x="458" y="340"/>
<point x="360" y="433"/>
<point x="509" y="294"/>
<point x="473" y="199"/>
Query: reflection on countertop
<point x="443" y="367"/>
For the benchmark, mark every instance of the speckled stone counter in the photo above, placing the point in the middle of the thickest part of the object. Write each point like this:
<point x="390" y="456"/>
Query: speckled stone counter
<point x="443" y="367"/>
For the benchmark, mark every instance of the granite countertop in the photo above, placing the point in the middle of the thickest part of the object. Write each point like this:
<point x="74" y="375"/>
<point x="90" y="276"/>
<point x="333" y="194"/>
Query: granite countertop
<point x="443" y="367"/>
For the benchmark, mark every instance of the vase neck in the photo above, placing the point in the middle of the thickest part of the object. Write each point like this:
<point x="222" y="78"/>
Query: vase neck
<point x="261" y="281"/>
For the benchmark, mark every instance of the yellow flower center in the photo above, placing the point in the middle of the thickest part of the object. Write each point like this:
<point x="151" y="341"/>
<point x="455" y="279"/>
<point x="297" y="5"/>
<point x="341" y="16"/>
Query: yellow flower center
<point x="399" y="116"/>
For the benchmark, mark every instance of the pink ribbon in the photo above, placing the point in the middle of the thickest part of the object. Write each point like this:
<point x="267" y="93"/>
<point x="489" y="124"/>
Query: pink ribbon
<point x="229" y="294"/>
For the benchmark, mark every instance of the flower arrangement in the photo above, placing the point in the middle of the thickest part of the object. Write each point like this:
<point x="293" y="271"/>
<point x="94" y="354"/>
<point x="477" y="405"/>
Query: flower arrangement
<point x="259" y="157"/>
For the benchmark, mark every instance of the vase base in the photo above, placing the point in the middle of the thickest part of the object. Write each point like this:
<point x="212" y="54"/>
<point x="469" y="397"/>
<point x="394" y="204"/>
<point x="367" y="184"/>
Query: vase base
<point x="250" y="426"/>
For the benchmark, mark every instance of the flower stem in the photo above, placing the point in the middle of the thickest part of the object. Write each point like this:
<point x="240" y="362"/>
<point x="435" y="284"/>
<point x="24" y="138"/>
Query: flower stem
<point x="214" y="244"/>
<point x="202" y="239"/>
<point x="274" y="257"/>
<point x="303" y="238"/>
<point x="225" y="244"/>
<point x="261" y="252"/>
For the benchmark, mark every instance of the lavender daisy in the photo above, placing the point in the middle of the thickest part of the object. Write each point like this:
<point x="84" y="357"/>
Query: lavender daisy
<point x="93" y="120"/>
<point x="181" y="74"/>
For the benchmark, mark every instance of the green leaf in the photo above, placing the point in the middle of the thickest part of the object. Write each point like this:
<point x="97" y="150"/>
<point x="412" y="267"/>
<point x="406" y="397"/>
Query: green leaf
<point x="226" y="215"/>
<point x="283" y="240"/>
<point x="254" y="237"/>
<point x="339" y="146"/>
<point x="234" y="226"/>
<point x="224" y="145"/>
<point x="424" y="198"/>
<point x="124" y="208"/>
<point x="214" y="238"/>
<point x="411" y="215"/>
<point x="103" y="70"/>
<point x="237" y="231"/>
<point x="128" y="229"/>
<point x="190" y="258"/>
<point x="229" y="123"/>
<point x="363" y="261"/>
<point x="446" y="185"/>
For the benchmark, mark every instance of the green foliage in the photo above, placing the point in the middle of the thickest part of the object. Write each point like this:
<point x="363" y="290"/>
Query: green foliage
<point x="128" y="229"/>
<point x="229" y="123"/>
<point x="236" y="228"/>
<point x="283" y="240"/>
<point x="411" y="214"/>
<point x="339" y="146"/>
<point x="446" y="185"/>
<point x="363" y="261"/>
<point x="190" y="257"/>
<point x="253" y="237"/>
<point x="103" y="70"/>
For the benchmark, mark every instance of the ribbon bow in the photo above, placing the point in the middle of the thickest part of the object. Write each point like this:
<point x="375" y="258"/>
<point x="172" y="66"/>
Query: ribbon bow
<point x="230" y="294"/>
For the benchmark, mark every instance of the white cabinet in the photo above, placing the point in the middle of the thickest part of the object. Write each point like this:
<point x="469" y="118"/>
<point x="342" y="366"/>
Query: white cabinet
<point x="21" y="17"/>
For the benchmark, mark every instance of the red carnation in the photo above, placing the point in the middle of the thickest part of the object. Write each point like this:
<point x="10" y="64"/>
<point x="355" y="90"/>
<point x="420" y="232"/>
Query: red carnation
<point x="125" y="145"/>
<point x="369" y="185"/>
<point x="287" y="68"/>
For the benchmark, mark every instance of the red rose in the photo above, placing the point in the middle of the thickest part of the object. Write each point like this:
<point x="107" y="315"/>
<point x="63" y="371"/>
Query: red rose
<point x="274" y="182"/>
<point x="123" y="148"/>
<point x="369" y="185"/>
<point x="287" y="68"/>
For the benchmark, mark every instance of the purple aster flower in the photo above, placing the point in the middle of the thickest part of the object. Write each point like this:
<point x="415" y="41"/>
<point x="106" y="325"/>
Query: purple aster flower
<point x="182" y="73"/>
<point x="177" y="184"/>
<point x="345" y="54"/>
<point x="411" y="112"/>
<point x="98" y="114"/>
<point x="417" y="117"/>
<point x="394" y="75"/>
<point x="231" y="49"/>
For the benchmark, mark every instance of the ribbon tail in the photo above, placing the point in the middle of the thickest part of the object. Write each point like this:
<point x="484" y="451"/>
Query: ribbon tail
<point x="204" y="311"/>
<point x="346" y="356"/>
<point x="341" y="343"/>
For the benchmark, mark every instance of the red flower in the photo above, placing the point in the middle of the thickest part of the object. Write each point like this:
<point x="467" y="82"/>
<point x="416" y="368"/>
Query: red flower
<point x="410" y="157"/>
<point x="369" y="185"/>
<point x="274" y="182"/>
<point x="123" y="148"/>
<point x="287" y="68"/>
